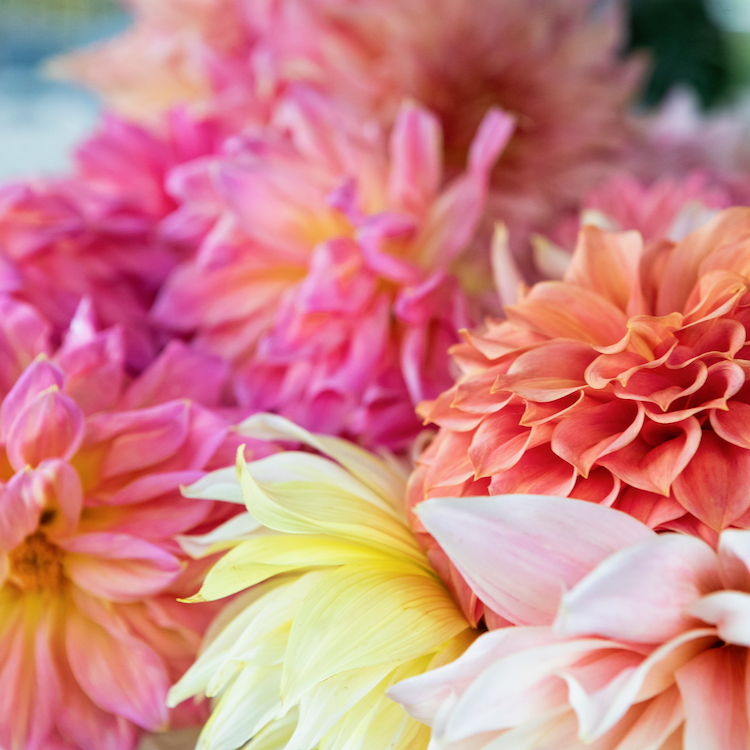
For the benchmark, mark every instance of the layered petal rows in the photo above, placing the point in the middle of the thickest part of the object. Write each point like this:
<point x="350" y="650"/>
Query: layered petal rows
<point x="341" y="602"/>
<point x="578" y="670"/>
<point x="91" y="636"/>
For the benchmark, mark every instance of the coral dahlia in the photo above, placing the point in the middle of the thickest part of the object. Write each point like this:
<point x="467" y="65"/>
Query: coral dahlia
<point x="623" y="384"/>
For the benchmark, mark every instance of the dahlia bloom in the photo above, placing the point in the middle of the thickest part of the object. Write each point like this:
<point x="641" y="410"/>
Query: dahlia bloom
<point x="624" y="384"/>
<point x="96" y="234"/>
<point x="668" y="207"/>
<point x="343" y="604"/>
<point x="624" y="639"/>
<point x="554" y="65"/>
<point x="325" y="276"/>
<point x="164" y="59"/>
<point x="91" y="636"/>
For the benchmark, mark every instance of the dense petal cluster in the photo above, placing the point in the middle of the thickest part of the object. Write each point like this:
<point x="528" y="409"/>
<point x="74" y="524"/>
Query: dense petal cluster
<point x="623" y="384"/>
<point x="325" y="274"/>
<point x="96" y="234"/>
<point x="579" y="670"/>
<point x="349" y="605"/>
<point x="91" y="636"/>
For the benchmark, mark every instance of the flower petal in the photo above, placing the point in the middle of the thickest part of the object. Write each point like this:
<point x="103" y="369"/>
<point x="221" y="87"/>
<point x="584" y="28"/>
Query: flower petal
<point x="119" y="567"/>
<point x="50" y="425"/>
<point x="713" y="485"/>
<point x="519" y="553"/>
<point x="713" y="689"/>
<point x="658" y="579"/>
<point x="102" y="652"/>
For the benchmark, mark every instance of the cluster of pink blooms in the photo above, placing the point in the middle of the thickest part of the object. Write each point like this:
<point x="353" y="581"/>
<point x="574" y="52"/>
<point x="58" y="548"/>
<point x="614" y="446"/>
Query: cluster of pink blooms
<point x="437" y="228"/>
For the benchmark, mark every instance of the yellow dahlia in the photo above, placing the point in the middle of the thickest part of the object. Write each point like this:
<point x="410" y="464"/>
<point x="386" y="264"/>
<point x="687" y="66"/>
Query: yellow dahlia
<point x="344" y="603"/>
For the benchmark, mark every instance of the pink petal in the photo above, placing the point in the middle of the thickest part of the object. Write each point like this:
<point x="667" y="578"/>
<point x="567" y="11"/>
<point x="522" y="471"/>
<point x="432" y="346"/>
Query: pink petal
<point x="648" y="507"/>
<point x="729" y="611"/>
<point x="423" y="695"/>
<point x="733" y="425"/>
<point x="681" y="270"/>
<point x="538" y="471"/>
<point x="101" y="652"/>
<point x="548" y="373"/>
<point x="713" y="689"/>
<point x="119" y="567"/>
<point x="454" y="216"/>
<point x="57" y="487"/>
<point x="561" y="310"/>
<point x="656" y="579"/>
<point x="520" y="553"/>
<point x="38" y="377"/>
<point x="518" y="687"/>
<point x="179" y="372"/>
<point x="609" y="264"/>
<point x="416" y="159"/>
<point x="20" y="509"/>
<point x="713" y="485"/>
<point x="734" y="559"/>
<point x="499" y="442"/>
<point x="139" y="438"/>
<point x="153" y="485"/>
<point x="49" y="426"/>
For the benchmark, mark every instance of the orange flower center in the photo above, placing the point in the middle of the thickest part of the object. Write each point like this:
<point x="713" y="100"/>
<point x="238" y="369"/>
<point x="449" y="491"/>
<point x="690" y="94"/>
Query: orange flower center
<point x="36" y="564"/>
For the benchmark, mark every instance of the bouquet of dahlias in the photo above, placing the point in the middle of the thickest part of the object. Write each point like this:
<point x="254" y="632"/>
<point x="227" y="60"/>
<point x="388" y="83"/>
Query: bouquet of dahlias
<point x="378" y="379"/>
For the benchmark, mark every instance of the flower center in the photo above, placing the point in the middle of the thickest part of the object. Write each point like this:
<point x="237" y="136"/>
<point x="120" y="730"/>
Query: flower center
<point x="36" y="564"/>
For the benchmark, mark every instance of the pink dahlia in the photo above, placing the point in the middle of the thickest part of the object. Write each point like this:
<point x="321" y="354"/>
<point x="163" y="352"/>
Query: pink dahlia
<point x="554" y="65"/>
<point x="326" y="276"/>
<point x="623" y="384"/>
<point x="96" y="234"/>
<point x="623" y="639"/>
<point x="91" y="636"/>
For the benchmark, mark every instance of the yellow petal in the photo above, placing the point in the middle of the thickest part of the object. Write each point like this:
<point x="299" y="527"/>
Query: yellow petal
<point x="274" y="736"/>
<point x="261" y="558"/>
<point x="299" y="508"/>
<point x="379" y="616"/>
<point x="382" y="478"/>
<point x="326" y="704"/>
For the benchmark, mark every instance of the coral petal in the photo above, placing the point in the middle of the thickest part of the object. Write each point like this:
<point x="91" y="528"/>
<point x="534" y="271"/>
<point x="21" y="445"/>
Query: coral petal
<point x="713" y="485"/>
<point x="714" y="696"/>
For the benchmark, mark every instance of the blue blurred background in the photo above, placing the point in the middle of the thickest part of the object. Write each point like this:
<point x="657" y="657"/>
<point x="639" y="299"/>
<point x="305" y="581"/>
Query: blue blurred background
<point x="40" y="119"/>
<point x="704" y="44"/>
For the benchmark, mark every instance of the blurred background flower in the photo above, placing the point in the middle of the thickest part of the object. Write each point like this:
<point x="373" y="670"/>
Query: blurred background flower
<point x="700" y="44"/>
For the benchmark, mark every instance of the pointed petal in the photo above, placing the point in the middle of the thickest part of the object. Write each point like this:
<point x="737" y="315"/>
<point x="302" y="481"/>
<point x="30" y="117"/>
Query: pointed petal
<point x="51" y="425"/>
<point x="375" y="613"/>
<point x="520" y="553"/>
<point x="712" y="486"/>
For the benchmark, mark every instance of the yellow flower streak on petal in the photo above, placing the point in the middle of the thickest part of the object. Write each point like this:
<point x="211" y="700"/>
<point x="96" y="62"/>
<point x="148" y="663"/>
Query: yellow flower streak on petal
<point x="381" y="616"/>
